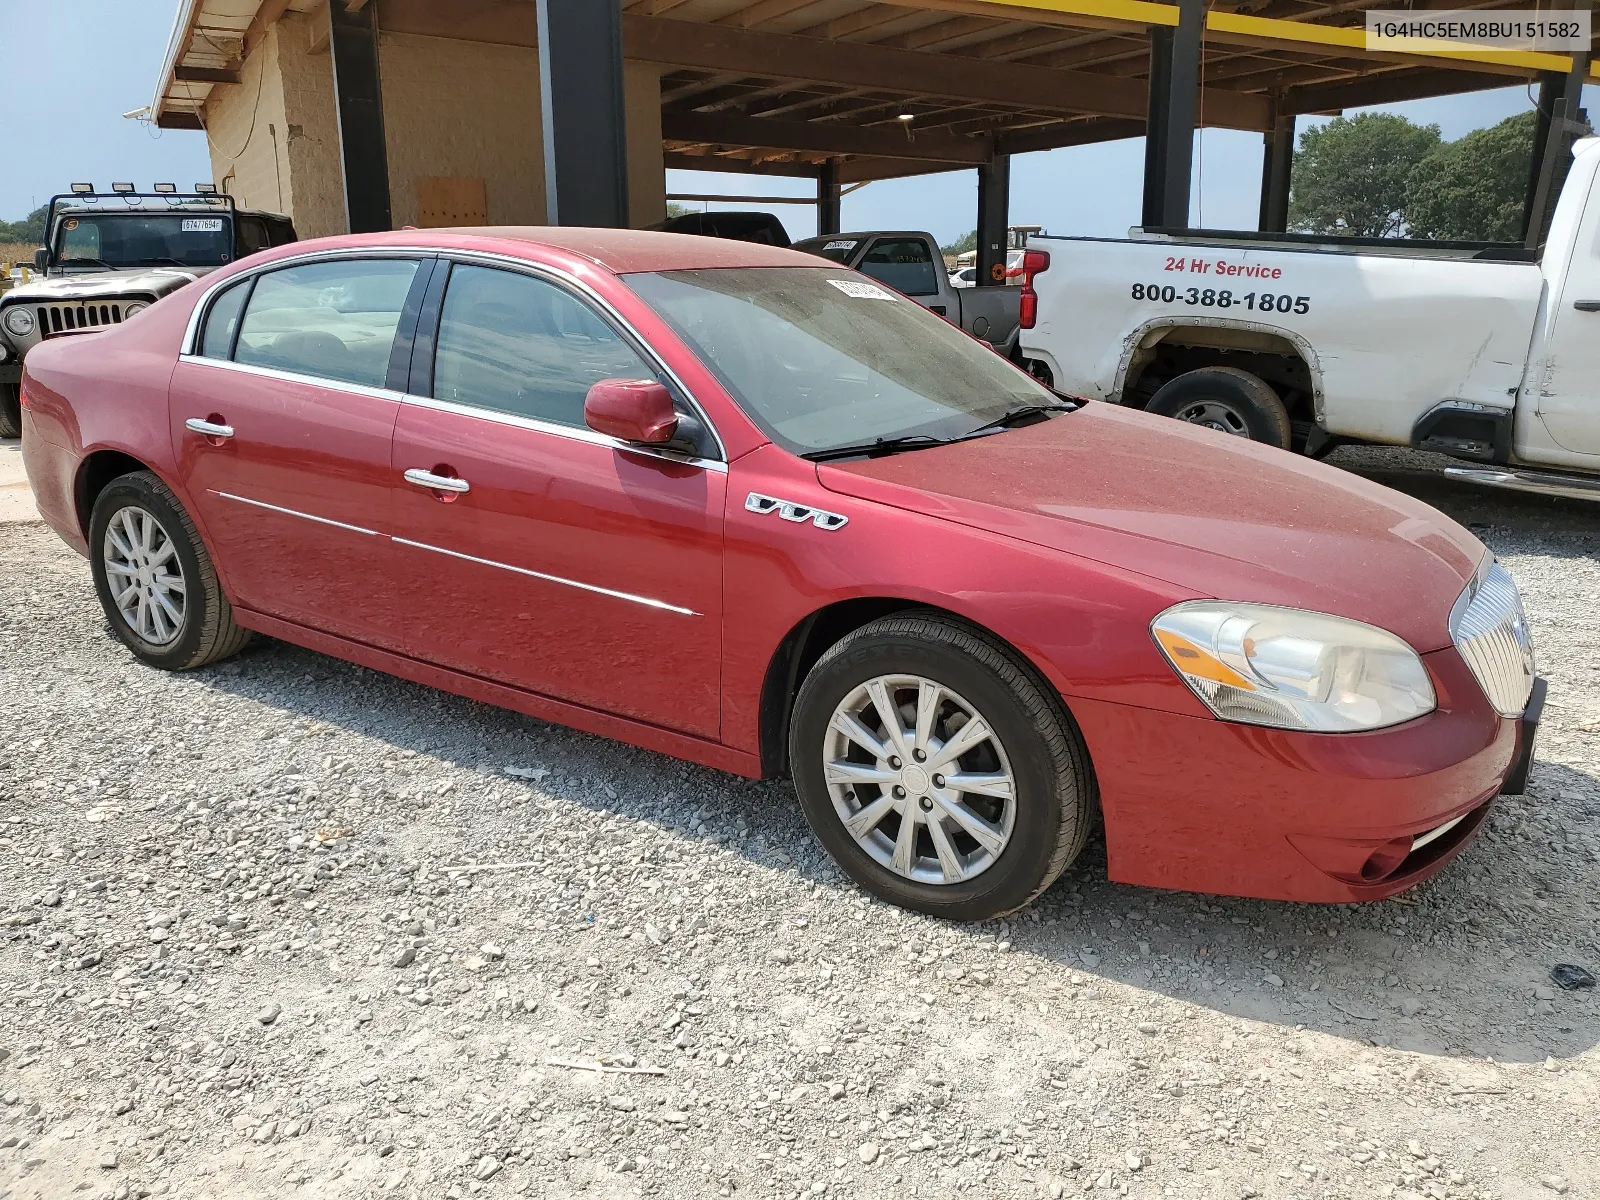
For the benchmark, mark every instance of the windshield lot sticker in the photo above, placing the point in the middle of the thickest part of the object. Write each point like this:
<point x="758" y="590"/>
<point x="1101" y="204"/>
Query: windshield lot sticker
<point x="70" y="223"/>
<point x="860" y="291"/>
<point x="202" y="225"/>
<point x="847" y="244"/>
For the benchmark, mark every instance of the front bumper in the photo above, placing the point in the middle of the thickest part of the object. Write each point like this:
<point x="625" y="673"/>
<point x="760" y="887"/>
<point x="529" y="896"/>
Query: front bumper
<point x="1202" y="805"/>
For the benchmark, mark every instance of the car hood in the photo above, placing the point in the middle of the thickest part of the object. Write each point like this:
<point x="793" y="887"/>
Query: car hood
<point x="152" y="281"/>
<point x="1201" y="510"/>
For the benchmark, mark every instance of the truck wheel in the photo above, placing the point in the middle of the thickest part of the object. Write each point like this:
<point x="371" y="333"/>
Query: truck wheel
<point x="937" y="771"/>
<point x="10" y="410"/>
<point x="1225" y="399"/>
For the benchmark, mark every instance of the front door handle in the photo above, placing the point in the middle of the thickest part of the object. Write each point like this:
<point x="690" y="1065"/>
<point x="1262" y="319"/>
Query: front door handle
<point x="938" y="308"/>
<point x="436" y="483"/>
<point x="209" y="428"/>
<point x="1586" y="305"/>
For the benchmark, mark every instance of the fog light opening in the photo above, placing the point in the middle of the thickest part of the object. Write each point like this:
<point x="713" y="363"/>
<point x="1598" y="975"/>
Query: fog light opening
<point x="1385" y="860"/>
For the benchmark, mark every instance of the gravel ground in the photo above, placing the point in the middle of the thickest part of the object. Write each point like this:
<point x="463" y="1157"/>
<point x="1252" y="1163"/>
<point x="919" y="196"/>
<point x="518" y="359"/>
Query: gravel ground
<point x="287" y="927"/>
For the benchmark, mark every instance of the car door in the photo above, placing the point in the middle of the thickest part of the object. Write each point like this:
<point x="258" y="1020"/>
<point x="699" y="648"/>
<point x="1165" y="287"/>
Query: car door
<point x="282" y="419"/>
<point x="536" y="552"/>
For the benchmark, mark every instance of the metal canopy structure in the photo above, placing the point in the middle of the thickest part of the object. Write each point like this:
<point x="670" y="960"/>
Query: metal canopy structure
<point x="846" y="91"/>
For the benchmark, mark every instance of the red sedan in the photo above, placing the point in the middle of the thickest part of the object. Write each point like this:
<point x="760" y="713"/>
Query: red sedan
<point x="736" y="504"/>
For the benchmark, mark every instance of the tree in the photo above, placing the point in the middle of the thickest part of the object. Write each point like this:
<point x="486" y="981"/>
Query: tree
<point x="674" y="209"/>
<point x="30" y="229"/>
<point x="1473" y="189"/>
<point x="967" y="241"/>
<point x="1351" y="175"/>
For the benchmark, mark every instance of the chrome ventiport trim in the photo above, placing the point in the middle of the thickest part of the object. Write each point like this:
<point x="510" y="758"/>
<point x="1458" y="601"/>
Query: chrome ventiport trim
<point x="798" y="513"/>
<point x="647" y="601"/>
<point x="290" y="512"/>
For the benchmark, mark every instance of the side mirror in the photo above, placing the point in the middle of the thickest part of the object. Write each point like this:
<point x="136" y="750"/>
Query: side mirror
<point x="41" y="259"/>
<point x="634" y="410"/>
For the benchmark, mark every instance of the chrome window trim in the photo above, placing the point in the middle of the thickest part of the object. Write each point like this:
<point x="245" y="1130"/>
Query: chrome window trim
<point x="647" y="601"/>
<point x="573" y="433"/>
<point x="293" y="512"/>
<point x="202" y="306"/>
<point x="637" y="340"/>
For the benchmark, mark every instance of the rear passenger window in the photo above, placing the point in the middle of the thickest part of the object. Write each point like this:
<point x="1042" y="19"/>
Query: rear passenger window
<point x="905" y="265"/>
<point x="334" y="320"/>
<point x="223" y="320"/>
<point x="515" y="344"/>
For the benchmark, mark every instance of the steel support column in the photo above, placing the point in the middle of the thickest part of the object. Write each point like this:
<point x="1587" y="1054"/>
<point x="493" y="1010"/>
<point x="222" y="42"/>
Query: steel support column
<point x="829" y="198"/>
<point x="1172" y="116"/>
<point x="994" y="216"/>
<point x="1277" y="162"/>
<point x="1561" y="120"/>
<point x="358" y="99"/>
<point x="585" y="130"/>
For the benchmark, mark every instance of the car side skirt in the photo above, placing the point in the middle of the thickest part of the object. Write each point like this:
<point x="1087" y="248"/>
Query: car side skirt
<point x="635" y="733"/>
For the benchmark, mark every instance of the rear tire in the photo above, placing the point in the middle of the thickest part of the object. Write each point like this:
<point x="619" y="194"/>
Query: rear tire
<point x="10" y="410"/>
<point x="1228" y="400"/>
<point x="155" y="579"/>
<point x="1029" y="797"/>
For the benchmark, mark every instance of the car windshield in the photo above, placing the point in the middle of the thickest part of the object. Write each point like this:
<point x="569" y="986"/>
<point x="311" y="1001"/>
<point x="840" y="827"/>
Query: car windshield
<point x="823" y="358"/>
<point x="144" y="240"/>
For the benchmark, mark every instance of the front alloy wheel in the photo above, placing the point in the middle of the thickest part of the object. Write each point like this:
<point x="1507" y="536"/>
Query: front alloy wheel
<point x="937" y="767"/>
<point x="920" y="779"/>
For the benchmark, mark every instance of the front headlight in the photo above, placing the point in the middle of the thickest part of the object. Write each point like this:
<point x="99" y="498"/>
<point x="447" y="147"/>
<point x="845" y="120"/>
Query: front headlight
<point x="134" y="309"/>
<point x="18" y="321"/>
<point x="1290" y="669"/>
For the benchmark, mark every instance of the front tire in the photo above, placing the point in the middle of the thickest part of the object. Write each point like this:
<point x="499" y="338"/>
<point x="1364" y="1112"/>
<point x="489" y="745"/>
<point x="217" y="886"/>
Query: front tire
<point x="1228" y="400"/>
<point x="155" y="579"/>
<point x="10" y="410"/>
<point x="937" y="770"/>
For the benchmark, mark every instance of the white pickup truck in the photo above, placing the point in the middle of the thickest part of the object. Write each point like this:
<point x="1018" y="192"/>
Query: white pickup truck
<point x="1486" y="353"/>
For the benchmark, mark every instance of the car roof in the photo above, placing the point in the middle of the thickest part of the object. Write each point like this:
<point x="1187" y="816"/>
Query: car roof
<point x="617" y="250"/>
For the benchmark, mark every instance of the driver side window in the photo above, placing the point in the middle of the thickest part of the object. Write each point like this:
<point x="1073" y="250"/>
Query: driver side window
<point x="513" y="343"/>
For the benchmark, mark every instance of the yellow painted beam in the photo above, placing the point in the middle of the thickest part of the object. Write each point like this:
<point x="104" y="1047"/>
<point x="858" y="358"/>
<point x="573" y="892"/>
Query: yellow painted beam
<point x="1248" y="30"/>
<point x="1354" y="39"/>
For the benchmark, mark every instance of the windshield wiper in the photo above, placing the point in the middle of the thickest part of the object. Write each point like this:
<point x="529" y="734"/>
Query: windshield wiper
<point x="85" y="262"/>
<point x="177" y="262"/>
<point x="1012" y="416"/>
<point x="878" y="448"/>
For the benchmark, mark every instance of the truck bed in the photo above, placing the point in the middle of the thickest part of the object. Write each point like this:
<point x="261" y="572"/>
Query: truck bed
<point x="1391" y="330"/>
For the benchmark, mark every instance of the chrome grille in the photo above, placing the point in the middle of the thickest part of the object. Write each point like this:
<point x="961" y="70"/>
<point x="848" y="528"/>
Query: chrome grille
<point x="1491" y="631"/>
<point x="57" y="318"/>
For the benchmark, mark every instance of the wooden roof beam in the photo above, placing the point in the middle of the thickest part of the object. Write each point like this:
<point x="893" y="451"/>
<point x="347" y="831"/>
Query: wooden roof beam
<point x="849" y="64"/>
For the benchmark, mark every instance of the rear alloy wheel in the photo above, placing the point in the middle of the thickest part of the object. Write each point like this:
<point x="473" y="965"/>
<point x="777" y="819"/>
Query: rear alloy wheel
<point x="10" y="410"/>
<point x="155" y="579"/>
<point x="936" y="769"/>
<point x="1228" y="400"/>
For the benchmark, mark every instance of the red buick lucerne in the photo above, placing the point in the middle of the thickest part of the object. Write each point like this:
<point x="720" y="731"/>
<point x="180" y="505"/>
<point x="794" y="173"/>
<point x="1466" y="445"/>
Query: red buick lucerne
<point x="736" y="504"/>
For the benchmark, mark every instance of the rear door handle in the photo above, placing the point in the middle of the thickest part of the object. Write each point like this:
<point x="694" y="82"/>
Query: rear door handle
<point x="1586" y="305"/>
<point x="436" y="483"/>
<point x="209" y="428"/>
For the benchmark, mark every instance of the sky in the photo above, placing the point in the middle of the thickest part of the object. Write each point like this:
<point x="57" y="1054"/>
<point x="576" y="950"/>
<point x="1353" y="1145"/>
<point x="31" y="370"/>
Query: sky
<point x="119" y="45"/>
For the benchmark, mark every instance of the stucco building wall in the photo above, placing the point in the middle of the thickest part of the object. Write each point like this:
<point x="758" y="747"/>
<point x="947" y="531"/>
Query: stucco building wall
<point x="462" y="109"/>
